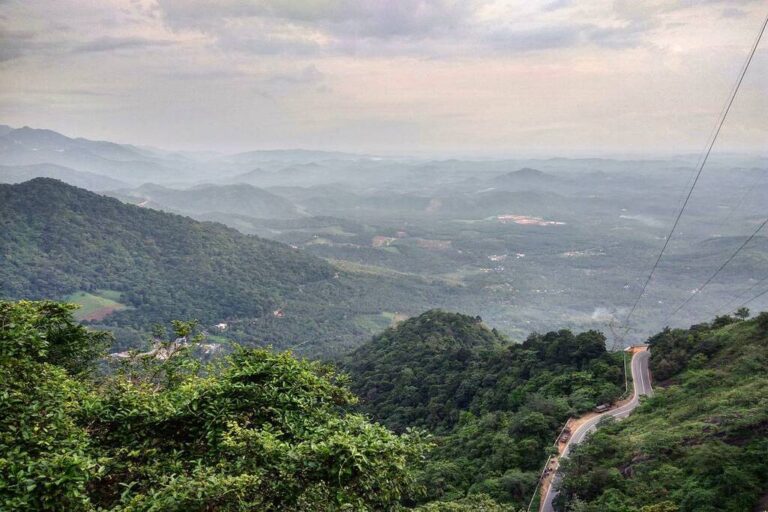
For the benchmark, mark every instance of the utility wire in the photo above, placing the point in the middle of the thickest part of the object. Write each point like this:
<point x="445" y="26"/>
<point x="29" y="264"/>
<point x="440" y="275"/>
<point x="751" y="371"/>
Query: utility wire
<point x="701" y="168"/>
<point x="712" y="277"/>
<point x="753" y="298"/>
<point x="726" y="306"/>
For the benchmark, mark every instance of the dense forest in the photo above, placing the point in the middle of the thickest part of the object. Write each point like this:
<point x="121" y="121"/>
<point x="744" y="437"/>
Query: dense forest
<point x="261" y="430"/>
<point x="451" y="417"/>
<point x="58" y="239"/>
<point x="494" y="407"/>
<point x="145" y="266"/>
<point x="255" y="431"/>
<point x="700" y="443"/>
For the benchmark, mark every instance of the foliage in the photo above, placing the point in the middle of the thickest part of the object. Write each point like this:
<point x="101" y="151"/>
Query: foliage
<point x="699" y="443"/>
<point x="45" y="332"/>
<point x="473" y="503"/>
<point x="259" y="431"/>
<point x="45" y="462"/>
<point x="59" y="239"/>
<point x="495" y="407"/>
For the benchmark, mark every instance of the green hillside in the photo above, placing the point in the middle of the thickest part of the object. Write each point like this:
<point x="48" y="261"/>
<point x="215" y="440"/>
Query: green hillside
<point x="57" y="239"/>
<point x="700" y="444"/>
<point x="131" y="267"/>
<point x="494" y="406"/>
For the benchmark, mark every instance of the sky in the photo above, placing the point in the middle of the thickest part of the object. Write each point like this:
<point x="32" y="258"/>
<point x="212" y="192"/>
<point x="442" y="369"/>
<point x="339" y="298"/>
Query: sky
<point x="527" y="78"/>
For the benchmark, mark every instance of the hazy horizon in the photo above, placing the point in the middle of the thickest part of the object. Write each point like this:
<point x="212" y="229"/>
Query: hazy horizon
<point x="427" y="77"/>
<point x="431" y="155"/>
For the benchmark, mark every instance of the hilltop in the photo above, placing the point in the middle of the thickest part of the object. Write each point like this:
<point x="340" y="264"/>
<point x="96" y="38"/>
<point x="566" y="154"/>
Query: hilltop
<point x="493" y="406"/>
<point x="58" y="239"/>
<point x="132" y="267"/>
<point x="526" y="177"/>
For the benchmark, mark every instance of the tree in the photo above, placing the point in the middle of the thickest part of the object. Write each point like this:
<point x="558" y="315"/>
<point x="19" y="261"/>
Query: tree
<point x="45" y="463"/>
<point x="762" y="321"/>
<point x="255" y="431"/>
<point x="722" y="321"/>
<point x="46" y="333"/>
<point x="742" y="313"/>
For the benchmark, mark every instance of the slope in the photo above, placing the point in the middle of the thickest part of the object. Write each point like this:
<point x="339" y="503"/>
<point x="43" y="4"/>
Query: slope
<point x="240" y="199"/>
<point x="87" y="180"/>
<point x="493" y="406"/>
<point x="57" y="239"/>
<point x="700" y="443"/>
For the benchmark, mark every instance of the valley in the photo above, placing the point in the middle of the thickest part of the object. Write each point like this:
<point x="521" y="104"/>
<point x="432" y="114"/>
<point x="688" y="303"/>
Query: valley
<point x="383" y="256"/>
<point x="530" y="245"/>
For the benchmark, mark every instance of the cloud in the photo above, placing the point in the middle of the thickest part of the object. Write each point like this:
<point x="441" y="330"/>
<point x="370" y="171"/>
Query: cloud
<point x="392" y="74"/>
<point x="304" y="27"/>
<point x="427" y="28"/>
<point x="362" y="18"/>
<point x="107" y="44"/>
<point x="280" y="84"/>
<point x="535" y="39"/>
<point x="17" y="43"/>
<point x="732" y="12"/>
<point x="308" y="75"/>
<point x="648" y="9"/>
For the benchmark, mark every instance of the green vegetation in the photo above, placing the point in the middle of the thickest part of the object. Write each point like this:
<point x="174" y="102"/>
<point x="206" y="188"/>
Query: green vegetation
<point x="59" y="239"/>
<point x="700" y="443"/>
<point x="256" y="431"/>
<point x="494" y="407"/>
<point x="259" y="430"/>
<point x="96" y="306"/>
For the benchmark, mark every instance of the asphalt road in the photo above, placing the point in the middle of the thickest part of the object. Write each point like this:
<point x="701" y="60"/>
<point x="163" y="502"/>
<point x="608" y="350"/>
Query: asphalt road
<point x="641" y="381"/>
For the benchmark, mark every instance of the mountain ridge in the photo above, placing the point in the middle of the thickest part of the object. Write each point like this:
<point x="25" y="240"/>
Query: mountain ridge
<point x="56" y="237"/>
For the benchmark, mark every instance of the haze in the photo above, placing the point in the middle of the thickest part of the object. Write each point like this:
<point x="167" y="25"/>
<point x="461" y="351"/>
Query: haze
<point x="403" y="77"/>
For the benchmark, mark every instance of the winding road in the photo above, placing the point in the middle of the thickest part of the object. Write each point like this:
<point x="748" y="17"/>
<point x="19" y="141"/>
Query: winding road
<point x="641" y="381"/>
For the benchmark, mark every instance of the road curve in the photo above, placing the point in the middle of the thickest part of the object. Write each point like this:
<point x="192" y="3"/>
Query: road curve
<point x="641" y="381"/>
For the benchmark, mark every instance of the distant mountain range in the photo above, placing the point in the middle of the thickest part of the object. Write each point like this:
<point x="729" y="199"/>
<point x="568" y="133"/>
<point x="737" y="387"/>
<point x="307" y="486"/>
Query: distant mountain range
<point x="28" y="146"/>
<point x="87" y="180"/>
<point x="240" y="199"/>
<point x="526" y="177"/>
<point x="137" y="165"/>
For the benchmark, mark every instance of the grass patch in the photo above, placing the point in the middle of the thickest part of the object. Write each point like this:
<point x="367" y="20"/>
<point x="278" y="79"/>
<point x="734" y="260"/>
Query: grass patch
<point x="374" y="323"/>
<point x="96" y="306"/>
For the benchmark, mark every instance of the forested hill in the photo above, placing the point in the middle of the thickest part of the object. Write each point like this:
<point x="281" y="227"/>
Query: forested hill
<point x="56" y="239"/>
<point x="700" y="443"/>
<point x="429" y="368"/>
<point x="495" y="407"/>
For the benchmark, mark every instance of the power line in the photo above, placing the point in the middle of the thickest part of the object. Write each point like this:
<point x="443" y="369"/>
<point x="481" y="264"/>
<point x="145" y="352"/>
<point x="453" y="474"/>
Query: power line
<point x="753" y="298"/>
<point x="701" y="167"/>
<point x="712" y="277"/>
<point x="725" y="307"/>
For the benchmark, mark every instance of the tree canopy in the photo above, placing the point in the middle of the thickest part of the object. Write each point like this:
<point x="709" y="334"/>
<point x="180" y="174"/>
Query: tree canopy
<point x="494" y="406"/>
<point x="699" y="444"/>
<point x="256" y="431"/>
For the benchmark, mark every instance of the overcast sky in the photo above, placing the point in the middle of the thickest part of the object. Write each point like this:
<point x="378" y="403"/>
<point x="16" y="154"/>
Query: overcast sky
<point x="553" y="77"/>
